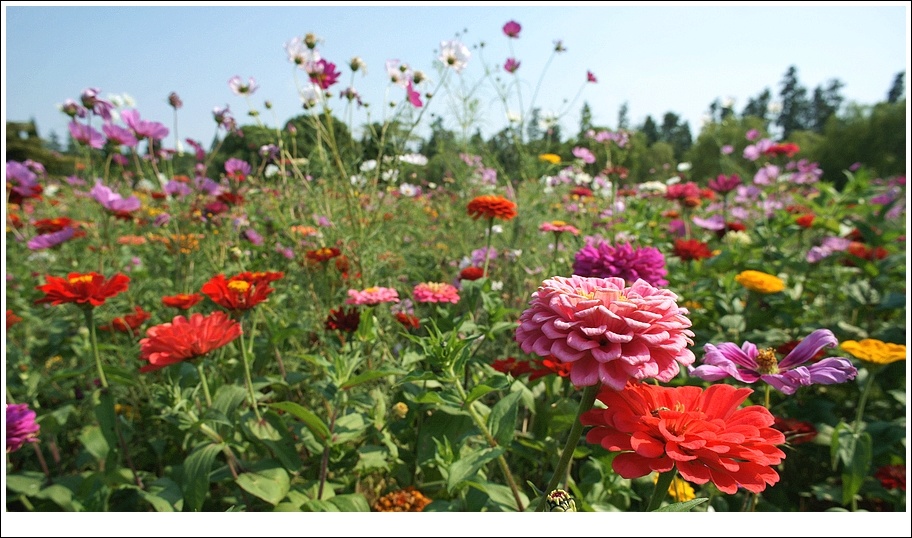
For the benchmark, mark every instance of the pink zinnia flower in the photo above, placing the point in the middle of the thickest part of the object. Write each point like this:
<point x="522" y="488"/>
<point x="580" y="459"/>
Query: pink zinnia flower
<point x="558" y="226"/>
<point x="511" y="29"/>
<point x="435" y="292"/>
<point x="725" y="184"/>
<point x="603" y="260"/>
<point x="607" y="332"/>
<point x="21" y="427"/>
<point x="372" y="296"/>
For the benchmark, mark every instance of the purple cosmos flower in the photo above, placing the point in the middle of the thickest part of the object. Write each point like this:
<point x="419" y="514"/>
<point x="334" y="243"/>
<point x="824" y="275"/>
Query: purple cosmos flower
<point x="251" y="235"/>
<point x="25" y="182"/>
<point x="223" y="118"/>
<point x="142" y="128"/>
<point x="240" y="88"/>
<point x="288" y="252"/>
<point x="713" y="223"/>
<point x="85" y="134"/>
<point x="119" y="136"/>
<point x="177" y="189"/>
<point x="199" y="151"/>
<point x="725" y="184"/>
<point x="162" y="219"/>
<point x="602" y="260"/>
<point x="766" y="175"/>
<point x="748" y="364"/>
<point x="827" y="248"/>
<point x="99" y="106"/>
<point x="207" y="186"/>
<point x="112" y="201"/>
<point x="511" y="65"/>
<point x="752" y="135"/>
<point x="727" y="149"/>
<point x="75" y="181"/>
<point x="73" y="109"/>
<point x="583" y="153"/>
<point x="322" y="73"/>
<point x="43" y="241"/>
<point x="237" y="169"/>
<point x="479" y="255"/>
<point x="21" y="427"/>
<point x="512" y="29"/>
<point x="175" y="101"/>
<point x="322" y="221"/>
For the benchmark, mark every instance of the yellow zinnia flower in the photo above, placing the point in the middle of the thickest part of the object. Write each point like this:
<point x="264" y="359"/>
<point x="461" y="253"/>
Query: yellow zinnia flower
<point x="760" y="282"/>
<point x="875" y="351"/>
<point x="550" y="158"/>
<point x="679" y="489"/>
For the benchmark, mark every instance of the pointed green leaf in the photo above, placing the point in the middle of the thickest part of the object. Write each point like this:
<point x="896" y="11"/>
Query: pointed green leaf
<point x="466" y="467"/>
<point x="682" y="506"/>
<point x="312" y="421"/>
<point x="196" y="475"/>
<point x="353" y="502"/>
<point x="502" y="420"/>
<point x="370" y="375"/>
<point x="270" y="483"/>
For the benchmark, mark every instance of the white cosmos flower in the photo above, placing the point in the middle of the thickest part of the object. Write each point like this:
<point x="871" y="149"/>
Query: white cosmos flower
<point x="408" y="190"/>
<point x="368" y="165"/>
<point x="416" y="159"/>
<point x="454" y="54"/>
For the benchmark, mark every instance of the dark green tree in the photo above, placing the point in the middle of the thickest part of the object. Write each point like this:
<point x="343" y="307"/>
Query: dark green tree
<point x="796" y="108"/>
<point x="650" y="130"/>
<point x="758" y="106"/>
<point x="675" y="133"/>
<point x="824" y="104"/>
<point x="623" y="119"/>
<point x="585" y="119"/>
<point x="898" y="89"/>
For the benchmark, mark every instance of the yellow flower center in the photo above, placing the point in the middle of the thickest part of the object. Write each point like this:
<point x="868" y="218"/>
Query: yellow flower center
<point x="238" y="286"/>
<point x="766" y="362"/>
<point x="81" y="279"/>
<point x="558" y="223"/>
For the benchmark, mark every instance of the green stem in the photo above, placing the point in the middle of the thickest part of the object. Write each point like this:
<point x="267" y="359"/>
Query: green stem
<point x="586" y="402"/>
<point x="487" y="253"/>
<point x="90" y="323"/>
<point x="249" y="379"/>
<point x="661" y="489"/>
<point x="859" y="415"/>
<point x="202" y="375"/>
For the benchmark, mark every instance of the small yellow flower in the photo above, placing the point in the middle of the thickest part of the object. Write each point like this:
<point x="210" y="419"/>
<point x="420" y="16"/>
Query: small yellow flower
<point x="400" y="409"/>
<point x="679" y="489"/>
<point x="875" y="351"/>
<point x="760" y="282"/>
<point x="550" y="158"/>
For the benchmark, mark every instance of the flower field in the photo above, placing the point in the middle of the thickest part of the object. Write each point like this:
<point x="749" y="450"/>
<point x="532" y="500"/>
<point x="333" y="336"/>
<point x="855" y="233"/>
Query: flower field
<point x="322" y="324"/>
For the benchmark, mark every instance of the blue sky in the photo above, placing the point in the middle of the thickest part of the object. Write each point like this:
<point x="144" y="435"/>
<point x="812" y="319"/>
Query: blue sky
<point x="655" y="57"/>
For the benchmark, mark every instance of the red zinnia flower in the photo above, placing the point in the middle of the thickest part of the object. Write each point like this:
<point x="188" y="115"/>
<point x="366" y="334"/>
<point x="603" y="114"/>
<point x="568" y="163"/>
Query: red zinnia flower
<point x="796" y="431"/>
<point x="182" y="300"/>
<point x="700" y="432"/>
<point x="129" y="323"/>
<point x="343" y="319"/>
<point x="691" y="249"/>
<point x="322" y="254"/>
<point x="49" y="226"/>
<point x="240" y="292"/>
<point x="491" y="206"/>
<point x="892" y="476"/>
<point x="183" y="339"/>
<point x="788" y="149"/>
<point x="865" y="252"/>
<point x="11" y="319"/>
<point x="582" y="192"/>
<point x="471" y="273"/>
<point x="407" y="320"/>
<point x="551" y="365"/>
<point x="86" y="289"/>
<point x="512" y="366"/>
<point x="805" y="221"/>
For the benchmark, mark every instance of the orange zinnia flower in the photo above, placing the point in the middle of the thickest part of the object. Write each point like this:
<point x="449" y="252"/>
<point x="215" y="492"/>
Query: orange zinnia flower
<point x="700" y="432"/>
<point x="322" y="254"/>
<point x="129" y="323"/>
<point x="182" y="300"/>
<point x="491" y="207"/>
<point x="691" y="249"/>
<point x="85" y="289"/>
<point x="11" y="319"/>
<point x="406" y="500"/>
<point x="240" y="292"/>
<point x="183" y="339"/>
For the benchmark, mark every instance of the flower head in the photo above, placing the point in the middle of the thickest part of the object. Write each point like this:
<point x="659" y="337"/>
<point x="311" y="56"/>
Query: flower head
<point x="185" y="339"/>
<point x="511" y="65"/>
<point x="182" y="301"/>
<point x="322" y="73"/>
<point x="86" y="134"/>
<point x="129" y="323"/>
<point x="471" y="272"/>
<point x="725" y="184"/>
<point x="760" y="282"/>
<point x="608" y="332"/>
<point x="749" y="364"/>
<point x="691" y="249"/>
<point x="558" y="227"/>
<point x="239" y="87"/>
<point x="406" y="500"/>
<point x="874" y="351"/>
<point x="113" y="201"/>
<point x="143" y="128"/>
<point x="890" y="476"/>
<point x="372" y="296"/>
<point x="491" y="206"/>
<point x="435" y="292"/>
<point x="343" y="319"/>
<point x="240" y="292"/>
<point x="21" y="427"/>
<point x="550" y="158"/>
<point x="174" y="100"/>
<point x="454" y="54"/>
<point x="237" y="169"/>
<point x="85" y="289"/>
<point x="590" y="77"/>
<point x="701" y="433"/>
<point x="511" y="29"/>
<point x="796" y="431"/>
<point x="11" y="319"/>
<point x="600" y="259"/>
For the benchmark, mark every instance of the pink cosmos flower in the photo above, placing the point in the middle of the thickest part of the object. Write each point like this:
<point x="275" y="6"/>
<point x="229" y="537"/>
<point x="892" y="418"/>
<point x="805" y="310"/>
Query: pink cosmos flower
<point x="237" y="169"/>
<point x="590" y="77"/>
<point x="241" y="88"/>
<point x="119" y="136"/>
<point x="558" y="226"/>
<point x="413" y="96"/>
<point x="435" y="292"/>
<point x="511" y="65"/>
<point x="583" y="153"/>
<point x="606" y="331"/>
<point x="512" y="29"/>
<point x="142" y="128"/>
<point x="96" y="104"/>
<point x="322" y="73"/>
<point x="372" y="296"/>
<point x="113" y="201"/>
<point x="85" y="134"/>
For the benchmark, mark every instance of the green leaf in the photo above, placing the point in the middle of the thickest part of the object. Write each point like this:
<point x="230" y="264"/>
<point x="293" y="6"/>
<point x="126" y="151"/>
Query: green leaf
<point x="94" y="442"/>
<point x="348" y="428"/>
<point x="502" y="420"/>
<point x="842" y="445"/>
<point x="227" y="398"/>
<point x="501" y="495"/>
<point x="27" y="483"/>
<point x="164" y="495"/>
<point x="104" y="412"/>
<point x="467" y="466"/>
<point x="370" y="375"/>
<point x="352" y="502"/>
<point x="477" y="392"/>
<point x="682" y="506"/>
<point x="61" y="496"/>
<point x="312" y="421"/>
<point x="268" y="483"/>
<point x="196" y="475"/>
<point x="319" y="506"/>
<point x="857" y="469"/>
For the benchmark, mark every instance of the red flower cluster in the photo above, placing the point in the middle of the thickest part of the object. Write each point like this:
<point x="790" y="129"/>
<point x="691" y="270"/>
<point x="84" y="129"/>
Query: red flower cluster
<point x="788" y="149"/>
<point x="182" y="300"/>
<point x="805" y="221"/>
<point x="471" y="273"/>
<point x="700" y="432"/>
<point x="183" y="339"/>
<point x="85" y="289"/>
<point x="129" y="323"/>
<point x="691" y="249"/>
<point x="407" y="320"/>
<point x="323" y="254"/>
<point x="796" y="431"/>
<point x="892" y="476"/>
<point x="865" y="252"/>
<point x="240" y="292"/>
<point x="582" y="192"/>
<point x="49" y="226"/>
<point x="536" y="367"/>
<point x="343" y="319"/>
<point x="491" y="206"/>
<point x="11" y="319"/>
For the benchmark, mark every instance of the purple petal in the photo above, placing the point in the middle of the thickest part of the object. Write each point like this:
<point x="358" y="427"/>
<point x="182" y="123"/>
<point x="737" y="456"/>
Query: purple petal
<point x="808" y="347"/>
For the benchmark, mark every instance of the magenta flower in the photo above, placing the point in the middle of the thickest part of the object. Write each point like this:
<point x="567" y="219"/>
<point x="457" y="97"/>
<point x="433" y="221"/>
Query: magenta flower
<point x="142" y="128"/>
<point x="223" y="117"/>
<point x="748" y="364"/>
<point x="590" y="77"/>
<point x="177" y="189"/>
<point x="435" y="292"/>
<point x="86" y="134"/>
<point x="112" y="201"/>
<point x="322" y="73"/>
<point x="372" y="296"/>
<point x="237" y="169"/>
<point x="511" y="65"/>
<point x="413" y="96"/>
<point x="512" y="29"/>
<point x="175" y="101"/>
<point x="119" y="136"/>
<point x="24" y="182"/>
<point x="727" y="149"/>
<point x="44" y="241"/>
<point x="600" y="259"/>
<point x="241" y="88"/>
<point x="606" y="331"/>
<point x="583" y="153"/>
<point x="21" y="427"/>
<point x="725" y="184"/>
<point x="99" y="106"/>
<point x="558" y="226"/>
<point x="251" y="235"/>
<point x="73" y="109"/>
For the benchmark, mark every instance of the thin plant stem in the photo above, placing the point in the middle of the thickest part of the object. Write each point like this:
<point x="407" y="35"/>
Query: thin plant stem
<point x="90" y="323"/>
<point x="586" y="402"/>
<point x="202" y="376"/>
<point x="249" y="379"/>
<point x="661" y="489"/>
<point x="487" y="255"/>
